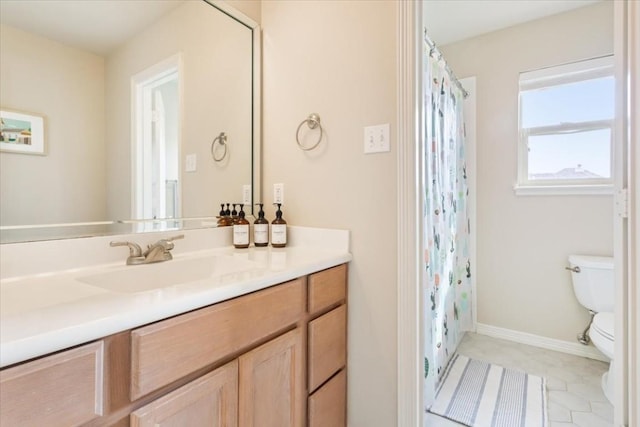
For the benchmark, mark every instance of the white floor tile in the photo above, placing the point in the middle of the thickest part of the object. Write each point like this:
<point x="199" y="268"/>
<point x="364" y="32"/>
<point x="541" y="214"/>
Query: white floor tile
<point x="590" y="392"/>
<point x="603" y="409"/>
<point x="558" y="412"/>
<point x="589" y="419"/>
<point x="569" y="400"/>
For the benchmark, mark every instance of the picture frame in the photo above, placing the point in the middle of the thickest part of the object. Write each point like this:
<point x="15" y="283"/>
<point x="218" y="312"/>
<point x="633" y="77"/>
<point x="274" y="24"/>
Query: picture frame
<point x="22" y="132"/>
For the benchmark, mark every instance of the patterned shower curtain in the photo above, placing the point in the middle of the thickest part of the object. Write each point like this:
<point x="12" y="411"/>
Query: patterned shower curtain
<point x="445" y="239"/>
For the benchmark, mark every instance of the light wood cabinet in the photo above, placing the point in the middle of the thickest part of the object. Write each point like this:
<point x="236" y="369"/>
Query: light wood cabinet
<point x="328" y="406"/>
<point x="327" y="343"/>
<point x="327" y="288"/>
<point x="194" y="340"/>
<point x="271" y="358"/>
<point x="272" y="383"/>
<point x="210" y="401"/>
<point x="327" y="346"/>
<point x="64" y="389"/>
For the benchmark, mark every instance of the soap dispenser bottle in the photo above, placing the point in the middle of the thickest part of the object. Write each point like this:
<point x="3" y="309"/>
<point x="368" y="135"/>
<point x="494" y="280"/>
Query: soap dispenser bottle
<point x="222" y="218"/>
<point x="241" y="231"/>
<point x="261" y="229"/>
<point x="279" y="230"/>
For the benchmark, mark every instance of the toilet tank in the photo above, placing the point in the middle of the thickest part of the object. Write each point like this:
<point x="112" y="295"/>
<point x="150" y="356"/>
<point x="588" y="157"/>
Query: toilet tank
<point x="593" y="285"/>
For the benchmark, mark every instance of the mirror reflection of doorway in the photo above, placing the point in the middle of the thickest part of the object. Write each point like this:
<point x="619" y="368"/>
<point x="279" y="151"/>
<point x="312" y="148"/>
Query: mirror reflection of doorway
<point x="156" y="145"/>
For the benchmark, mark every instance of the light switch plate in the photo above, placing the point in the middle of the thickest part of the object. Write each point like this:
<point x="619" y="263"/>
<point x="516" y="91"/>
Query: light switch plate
<point x="376" y="139"/>
<point x="190" y="163"/>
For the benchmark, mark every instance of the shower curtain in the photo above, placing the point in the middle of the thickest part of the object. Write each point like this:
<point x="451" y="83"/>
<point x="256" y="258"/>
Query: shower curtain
<point x="445" y="223"/>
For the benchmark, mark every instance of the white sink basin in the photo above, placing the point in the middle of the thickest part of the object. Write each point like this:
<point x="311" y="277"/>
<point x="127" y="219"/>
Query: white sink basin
<point x="147" y="277"/>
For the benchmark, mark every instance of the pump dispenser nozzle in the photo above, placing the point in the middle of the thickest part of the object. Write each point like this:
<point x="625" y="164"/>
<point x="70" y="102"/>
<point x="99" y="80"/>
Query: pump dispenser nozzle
<point x="223" y="218"/>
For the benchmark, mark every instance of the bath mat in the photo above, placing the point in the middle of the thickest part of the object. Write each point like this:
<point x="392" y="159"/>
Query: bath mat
<point x="480" y="394"/>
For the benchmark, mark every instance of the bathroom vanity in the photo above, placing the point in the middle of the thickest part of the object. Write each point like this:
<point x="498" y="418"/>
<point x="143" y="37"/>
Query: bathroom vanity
<point x="263" y="345"/>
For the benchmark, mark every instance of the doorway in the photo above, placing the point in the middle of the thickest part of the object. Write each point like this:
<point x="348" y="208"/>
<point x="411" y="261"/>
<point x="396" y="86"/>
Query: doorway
<point x="156" y="141"/>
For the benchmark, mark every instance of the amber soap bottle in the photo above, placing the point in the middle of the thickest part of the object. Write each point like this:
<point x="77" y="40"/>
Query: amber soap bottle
<point x="260" y="229"/>
<point x="241" y="231"/>
<point x="279" y="230"/>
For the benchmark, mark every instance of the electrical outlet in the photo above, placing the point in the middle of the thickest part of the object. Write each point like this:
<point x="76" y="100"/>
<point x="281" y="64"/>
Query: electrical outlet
<point x="376" y="139"/>
<point x="190" y="163"/>
<point x="246" y="195"/>
<point x="278" y="193"/>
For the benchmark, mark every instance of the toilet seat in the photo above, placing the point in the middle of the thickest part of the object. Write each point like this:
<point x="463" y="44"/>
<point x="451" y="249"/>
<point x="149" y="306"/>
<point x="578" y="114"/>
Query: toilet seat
<point x="602" y="333"/>
<point x="604" y="324"/>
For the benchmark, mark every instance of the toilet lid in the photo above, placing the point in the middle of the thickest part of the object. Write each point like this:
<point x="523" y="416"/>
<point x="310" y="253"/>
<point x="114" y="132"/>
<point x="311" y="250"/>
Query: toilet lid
<point x="603" y="323"/>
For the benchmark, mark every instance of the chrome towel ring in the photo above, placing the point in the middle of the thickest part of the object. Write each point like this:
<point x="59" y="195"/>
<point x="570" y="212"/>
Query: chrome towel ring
<point x="313" y="121"/>
<point x="221" y="140"/>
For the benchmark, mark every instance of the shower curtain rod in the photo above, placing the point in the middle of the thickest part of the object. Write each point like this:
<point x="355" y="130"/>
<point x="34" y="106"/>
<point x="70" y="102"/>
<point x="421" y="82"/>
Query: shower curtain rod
<point x="434" y="48"/>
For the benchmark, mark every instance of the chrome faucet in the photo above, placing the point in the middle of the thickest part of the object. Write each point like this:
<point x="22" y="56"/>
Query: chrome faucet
<point x="157" y="252"/>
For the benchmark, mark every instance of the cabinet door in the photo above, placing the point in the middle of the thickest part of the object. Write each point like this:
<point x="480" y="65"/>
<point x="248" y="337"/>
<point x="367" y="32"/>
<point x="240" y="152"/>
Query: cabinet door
<point x="272" y="383"/>
<point x="210" y="401"/>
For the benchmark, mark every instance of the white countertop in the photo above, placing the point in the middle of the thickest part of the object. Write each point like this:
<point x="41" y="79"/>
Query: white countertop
<point x="46" y="312"/>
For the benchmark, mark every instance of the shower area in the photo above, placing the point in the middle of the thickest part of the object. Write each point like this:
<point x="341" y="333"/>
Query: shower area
<point x="445" y="224"/>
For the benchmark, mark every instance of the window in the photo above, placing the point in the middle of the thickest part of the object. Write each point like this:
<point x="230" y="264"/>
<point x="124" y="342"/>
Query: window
<point x="566" y="128"/>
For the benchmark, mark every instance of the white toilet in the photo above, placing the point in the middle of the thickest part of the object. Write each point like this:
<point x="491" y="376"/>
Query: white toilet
<point x="593" y="285"/>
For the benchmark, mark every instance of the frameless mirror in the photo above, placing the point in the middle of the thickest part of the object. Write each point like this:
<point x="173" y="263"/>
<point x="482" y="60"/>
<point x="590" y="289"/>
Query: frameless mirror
<point x="149" y="109"/>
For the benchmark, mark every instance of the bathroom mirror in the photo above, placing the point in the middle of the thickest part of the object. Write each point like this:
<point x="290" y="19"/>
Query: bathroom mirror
<point x="133" y="94"/>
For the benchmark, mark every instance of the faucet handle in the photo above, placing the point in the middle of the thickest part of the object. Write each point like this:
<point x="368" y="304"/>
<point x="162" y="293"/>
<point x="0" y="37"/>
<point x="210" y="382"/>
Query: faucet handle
<point x="166" y="243"/>
<point x="134" y="248"/>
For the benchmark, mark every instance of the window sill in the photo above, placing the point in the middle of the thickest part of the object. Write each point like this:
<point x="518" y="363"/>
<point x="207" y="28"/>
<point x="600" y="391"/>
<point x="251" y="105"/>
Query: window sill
<point x="563" y="190"/>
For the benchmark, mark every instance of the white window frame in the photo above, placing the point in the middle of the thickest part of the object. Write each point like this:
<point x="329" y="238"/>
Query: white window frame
<point x="549" y="77"/>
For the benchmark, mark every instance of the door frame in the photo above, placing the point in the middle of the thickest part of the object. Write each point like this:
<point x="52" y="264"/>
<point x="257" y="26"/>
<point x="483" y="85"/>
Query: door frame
<point x="626" y="245"/>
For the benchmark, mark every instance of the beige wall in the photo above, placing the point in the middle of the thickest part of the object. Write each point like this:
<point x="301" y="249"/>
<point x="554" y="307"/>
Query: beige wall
<point x="338" y="59"/>
<point x="38" y="75"/>
<point x="524" y="241"/>
<point x="251" y="8"/>
<point x="216" y="98"/>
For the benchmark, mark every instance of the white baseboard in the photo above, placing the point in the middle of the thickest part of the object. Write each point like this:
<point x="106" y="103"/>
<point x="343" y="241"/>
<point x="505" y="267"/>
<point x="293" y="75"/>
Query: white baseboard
<point x="543" y="342"/>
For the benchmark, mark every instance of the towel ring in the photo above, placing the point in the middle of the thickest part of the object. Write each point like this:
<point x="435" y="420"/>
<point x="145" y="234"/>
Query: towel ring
<point x="222" y="140"/>
<point x="313" y="121"/>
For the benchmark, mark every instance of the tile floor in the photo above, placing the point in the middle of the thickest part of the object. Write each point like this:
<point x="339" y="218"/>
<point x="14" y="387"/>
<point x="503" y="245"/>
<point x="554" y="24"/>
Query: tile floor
<point x="573" y="382"/>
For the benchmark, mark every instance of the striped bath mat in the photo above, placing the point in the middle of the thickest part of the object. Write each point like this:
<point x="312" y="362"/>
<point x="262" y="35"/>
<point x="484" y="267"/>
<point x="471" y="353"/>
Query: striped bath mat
<point x="480" y="394"/>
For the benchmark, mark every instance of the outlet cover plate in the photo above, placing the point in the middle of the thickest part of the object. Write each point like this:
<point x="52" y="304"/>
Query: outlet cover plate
<point x="278" y="193"/>
<point x="246" y="195"/>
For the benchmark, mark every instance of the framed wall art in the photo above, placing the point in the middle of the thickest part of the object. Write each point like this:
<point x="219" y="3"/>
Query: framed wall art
<point x="21" y="132"/>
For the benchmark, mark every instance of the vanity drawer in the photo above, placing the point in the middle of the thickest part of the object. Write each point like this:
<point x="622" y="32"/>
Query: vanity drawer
<point x="64" y="389"/>
<point x="170" y="349"/>
<point x="327" y="346"/>
<point x="327" y="287"/>
<point x="328" y="405"/>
